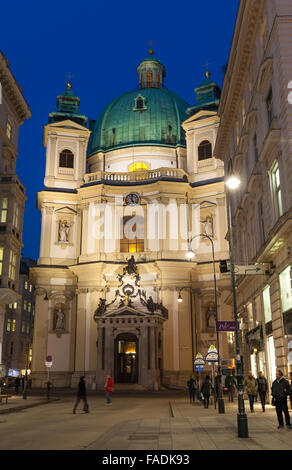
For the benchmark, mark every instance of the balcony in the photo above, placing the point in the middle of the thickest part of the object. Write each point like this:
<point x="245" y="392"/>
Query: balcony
<point x="137" y="177"/>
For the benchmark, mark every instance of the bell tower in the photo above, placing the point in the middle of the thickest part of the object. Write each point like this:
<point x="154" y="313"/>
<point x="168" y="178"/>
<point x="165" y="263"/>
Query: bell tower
<point x="65" y="138"/>
<point x="151" y="72"/>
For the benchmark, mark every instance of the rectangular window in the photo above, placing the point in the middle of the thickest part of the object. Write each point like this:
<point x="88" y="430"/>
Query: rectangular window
<point x="29" y="307"/>
<point x="16" y="216"/>
<point x="276" y="190"/>
<point x="267" y="304"/>
<point x="25" y="285"/>
<point x="27" y="328"/>
<point x="1" y="259"/>
<point x="25" y="305"/>
<point x="250" y="316"/>
<point x="4" y="210"/>
<point x="13" y="325"/>
<point x="9" y="129"/>
<point x="15" y="305"/>
<point x="285" y="287"/>
<point x="132" y="240"/>
<point x="269" y="103"/>
<point x="30" y="288"/>
<point x="23" y="327"/>
<point x="12" y="265"/>
<point x="8" y="328"/>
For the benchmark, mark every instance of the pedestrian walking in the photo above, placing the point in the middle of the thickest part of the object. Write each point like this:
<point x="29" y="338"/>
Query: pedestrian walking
<point x="206" y="389"/>
<point x="109" y="388"/>
<point x="280" y="392"/>
<point x="81" y="395"/>
<point x="251" y="387"/>
<point x="217" y="387"/>
<point x="262" y="389"/>
<point x="16" y="384"/>
<point x="230" y="383"/>
<point x="192" y="389"/>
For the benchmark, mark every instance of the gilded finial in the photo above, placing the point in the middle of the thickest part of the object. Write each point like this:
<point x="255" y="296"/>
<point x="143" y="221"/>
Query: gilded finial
<point x="151" y="52"/>
<point x="207" y="73"/>
<point x="69" y="82"/>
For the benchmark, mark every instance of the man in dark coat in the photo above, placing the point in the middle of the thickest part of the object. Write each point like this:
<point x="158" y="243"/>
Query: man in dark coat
<point x="17" y="384"/>
<point x="230" y="383"/>
<point x="206" y="389"/>
<point x="192" y="386"/>
<point x="81" y="395"/>
<point x="280" y="391"/>
<point x="262" y="389"/>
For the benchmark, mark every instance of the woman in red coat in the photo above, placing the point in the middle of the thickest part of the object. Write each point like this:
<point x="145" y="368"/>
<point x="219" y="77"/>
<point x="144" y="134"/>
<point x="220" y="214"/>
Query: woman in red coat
<point x="109" y="387"/>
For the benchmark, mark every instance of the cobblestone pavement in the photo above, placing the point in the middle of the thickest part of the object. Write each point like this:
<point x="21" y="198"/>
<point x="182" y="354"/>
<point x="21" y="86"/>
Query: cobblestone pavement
<point x="154" y="421"/>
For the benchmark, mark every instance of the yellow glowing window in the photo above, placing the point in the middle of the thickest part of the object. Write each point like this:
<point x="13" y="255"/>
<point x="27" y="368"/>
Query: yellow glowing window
<point x="138" y="167"/>
<point x="133" y="234"/>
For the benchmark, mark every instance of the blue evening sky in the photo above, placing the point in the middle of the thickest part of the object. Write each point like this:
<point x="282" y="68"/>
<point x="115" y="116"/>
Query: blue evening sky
<point x="101" y="44"/>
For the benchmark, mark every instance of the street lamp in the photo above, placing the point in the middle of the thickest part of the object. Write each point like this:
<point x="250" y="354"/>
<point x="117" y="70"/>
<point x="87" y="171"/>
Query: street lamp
<point x="233" y="183"/>
<point x="190" y="254"/>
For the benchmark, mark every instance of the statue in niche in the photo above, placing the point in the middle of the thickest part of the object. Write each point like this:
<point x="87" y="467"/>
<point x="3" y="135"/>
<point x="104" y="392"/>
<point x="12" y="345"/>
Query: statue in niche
<point x="208" y="226"/>
<point x="211" y="316"/>
<point x="59" y="319"/>
<point x="64" y="232"/>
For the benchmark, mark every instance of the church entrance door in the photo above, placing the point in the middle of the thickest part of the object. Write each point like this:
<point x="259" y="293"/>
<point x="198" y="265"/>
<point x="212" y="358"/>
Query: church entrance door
<point x="126" y="358"/>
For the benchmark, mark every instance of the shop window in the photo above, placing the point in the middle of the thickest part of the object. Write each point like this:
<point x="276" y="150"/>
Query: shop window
<point x="66" y="159"/>
<point x="285" y="287"/>
<point x="267" y="304"/>
<point x="133" y="234"/>
<point x="205" y="150"/>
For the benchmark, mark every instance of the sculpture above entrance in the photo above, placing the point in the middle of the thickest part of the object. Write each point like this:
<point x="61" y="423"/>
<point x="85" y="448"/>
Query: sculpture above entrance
<point x="130" y="294"/>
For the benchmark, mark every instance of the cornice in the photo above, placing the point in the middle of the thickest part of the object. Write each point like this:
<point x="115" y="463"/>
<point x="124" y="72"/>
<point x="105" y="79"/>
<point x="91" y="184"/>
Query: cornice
<point x="12" y="90"/>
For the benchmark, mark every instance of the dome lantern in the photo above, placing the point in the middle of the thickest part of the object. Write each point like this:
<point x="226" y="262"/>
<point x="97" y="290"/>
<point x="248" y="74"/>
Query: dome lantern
<point x="151" y="72"/>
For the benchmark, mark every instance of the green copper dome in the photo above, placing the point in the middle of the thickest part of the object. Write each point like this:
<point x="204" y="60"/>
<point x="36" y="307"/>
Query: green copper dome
<point x="151" y="115"/>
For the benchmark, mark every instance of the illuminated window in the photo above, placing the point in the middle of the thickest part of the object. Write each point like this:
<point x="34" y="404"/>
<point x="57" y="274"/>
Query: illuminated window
<point x="4" y="209"/>
<point x="1" y="258"/>
<point x="25" y="305"/>
<point x="133" y="234"/>
<point x="286" y="291"/>
<point x="276" y="189"/>
<point x="23" y="327"/>
<point x="267" y="304"/>
<point x="25" y="285"/>
<point x="29" y="307"/>
<point x="205" y="150"/>
<point x="15" y="305"/>
<point x="30" y="287"/>
<point x="157" y="80"/>
<point x="12" y="265"/>
<point x="13" y="325"/>
<point x="66" y="159"/>
<point x="149" y="78"/>
<point x="138" y="167"/>
<point x="8" y="328"/>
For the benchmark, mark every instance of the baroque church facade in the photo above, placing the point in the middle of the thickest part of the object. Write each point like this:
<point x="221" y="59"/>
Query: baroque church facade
<point x="124" y="199"/>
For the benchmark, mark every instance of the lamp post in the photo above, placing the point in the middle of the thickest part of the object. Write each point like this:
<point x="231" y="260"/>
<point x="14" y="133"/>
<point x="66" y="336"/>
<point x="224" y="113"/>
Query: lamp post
<point x="242" y="425"/>
<point x="190" y="255"/>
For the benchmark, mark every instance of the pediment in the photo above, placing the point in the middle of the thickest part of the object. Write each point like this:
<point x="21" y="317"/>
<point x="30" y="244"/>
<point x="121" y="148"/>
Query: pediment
<point x="203" y="114"/>
<point x="126" y="311"/>
<point x="68" y="124"/>
<point x="66" y="210"/>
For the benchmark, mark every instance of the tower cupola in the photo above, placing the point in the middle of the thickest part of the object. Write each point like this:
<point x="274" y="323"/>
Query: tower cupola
<point x="151" y="72"/>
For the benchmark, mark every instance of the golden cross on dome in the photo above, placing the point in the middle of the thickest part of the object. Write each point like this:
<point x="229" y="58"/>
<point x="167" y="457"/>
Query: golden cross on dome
<point x="151" y="50"/>
<point x="69" y="81"/>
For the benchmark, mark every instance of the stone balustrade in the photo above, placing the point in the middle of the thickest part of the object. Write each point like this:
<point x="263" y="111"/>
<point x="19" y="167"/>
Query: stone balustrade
<point x="137" y="176"/>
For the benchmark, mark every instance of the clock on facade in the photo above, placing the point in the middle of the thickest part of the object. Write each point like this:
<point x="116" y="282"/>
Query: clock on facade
<point x="132" y="199"/>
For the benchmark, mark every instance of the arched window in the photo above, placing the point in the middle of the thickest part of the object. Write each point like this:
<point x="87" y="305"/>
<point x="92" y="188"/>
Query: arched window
<point x="139" y="166"/>
<point x="205" y="150"/>
<point x="149" y="79"/>
<point x="157" y="80"/>
<point x="132" y="240"/>
<point x="66" y="159"/>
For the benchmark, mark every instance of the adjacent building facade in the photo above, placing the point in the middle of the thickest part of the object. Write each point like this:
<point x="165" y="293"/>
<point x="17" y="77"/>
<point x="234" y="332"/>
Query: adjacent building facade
<point x="254" y="140"/>
<point x="121" y="202"/>
<point x="18" y="326"/>
<point x="13" y="111"/>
